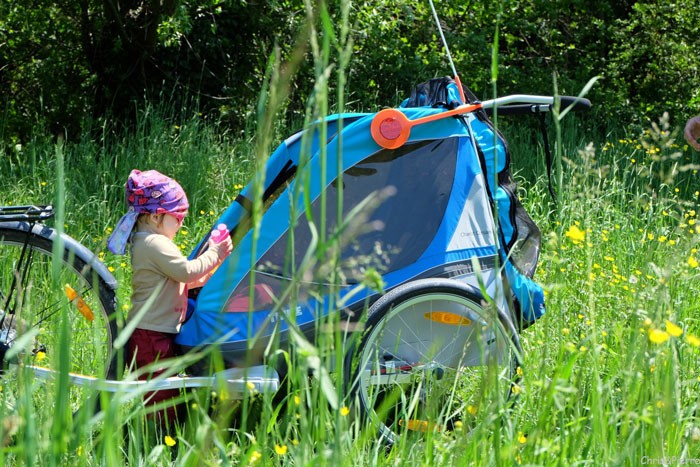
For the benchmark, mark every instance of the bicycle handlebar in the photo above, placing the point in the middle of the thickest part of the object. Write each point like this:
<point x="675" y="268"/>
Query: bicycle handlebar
<point x="25" y="213"/>
<point x="391" y="128"/>
<point x="522" y="104"/>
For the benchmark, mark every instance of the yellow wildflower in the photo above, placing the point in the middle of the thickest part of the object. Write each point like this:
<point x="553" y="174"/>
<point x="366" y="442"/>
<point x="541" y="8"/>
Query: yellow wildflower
<point x="692" y="340"/>
<point x="344" y="411"/>
<point x="657" y="336"/>
<point x="575" y="234"/>
<point x="169" y="441"/>
<point x="673" y="329"/>
<point x="280" y="450"/>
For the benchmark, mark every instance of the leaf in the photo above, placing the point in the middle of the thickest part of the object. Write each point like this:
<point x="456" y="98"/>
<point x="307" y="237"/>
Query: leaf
<point x="583" y="92"/>
<point x="320" y="372"/>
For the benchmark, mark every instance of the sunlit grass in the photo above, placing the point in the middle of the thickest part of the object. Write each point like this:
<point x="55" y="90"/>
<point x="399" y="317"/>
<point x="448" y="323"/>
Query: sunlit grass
<point x="610" y="374"/>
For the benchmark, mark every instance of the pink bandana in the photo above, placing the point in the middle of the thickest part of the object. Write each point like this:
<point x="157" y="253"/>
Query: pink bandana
<point x="146" y="192"/>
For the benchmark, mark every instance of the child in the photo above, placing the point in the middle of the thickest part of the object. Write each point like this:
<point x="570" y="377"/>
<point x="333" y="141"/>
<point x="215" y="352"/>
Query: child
<point x="692" y="132"/>
<point x="157" y="206"/>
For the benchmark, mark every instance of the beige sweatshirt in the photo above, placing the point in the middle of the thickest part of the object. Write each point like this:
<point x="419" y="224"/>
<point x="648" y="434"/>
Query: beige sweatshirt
<point x="156" y="260"/>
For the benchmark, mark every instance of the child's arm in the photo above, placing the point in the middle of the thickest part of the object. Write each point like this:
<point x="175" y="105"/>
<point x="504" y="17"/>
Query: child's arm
<point x="200" y="282"/>
<point x="203" y="280"/>
<point x="171" y="262"/>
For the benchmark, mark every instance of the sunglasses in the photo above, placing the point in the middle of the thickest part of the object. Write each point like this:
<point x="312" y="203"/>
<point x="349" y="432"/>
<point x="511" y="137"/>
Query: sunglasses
<point x="180" y="216"/>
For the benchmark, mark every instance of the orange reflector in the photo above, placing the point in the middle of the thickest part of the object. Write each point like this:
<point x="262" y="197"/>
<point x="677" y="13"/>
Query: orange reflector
<point x="420" y="425"/>
<point x="83" y="307"/>
<point x="446" y="317"/>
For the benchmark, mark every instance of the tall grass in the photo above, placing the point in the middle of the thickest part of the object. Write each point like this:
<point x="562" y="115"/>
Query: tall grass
<point x="610" y="373"/>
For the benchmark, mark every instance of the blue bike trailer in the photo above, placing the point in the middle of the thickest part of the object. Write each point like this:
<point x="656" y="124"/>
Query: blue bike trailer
<point x="422" y="210"/>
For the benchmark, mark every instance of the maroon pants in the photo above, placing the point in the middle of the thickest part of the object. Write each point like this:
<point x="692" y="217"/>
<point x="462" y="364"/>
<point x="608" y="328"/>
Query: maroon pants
<point x="146" y="347"/>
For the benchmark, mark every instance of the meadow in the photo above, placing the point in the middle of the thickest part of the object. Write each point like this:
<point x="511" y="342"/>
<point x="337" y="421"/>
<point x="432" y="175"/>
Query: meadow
<point x="609" y="374"/>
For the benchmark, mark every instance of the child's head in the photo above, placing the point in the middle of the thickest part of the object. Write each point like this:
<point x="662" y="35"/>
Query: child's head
<point x="153" y="199"/>
<point x="163" y="223"/>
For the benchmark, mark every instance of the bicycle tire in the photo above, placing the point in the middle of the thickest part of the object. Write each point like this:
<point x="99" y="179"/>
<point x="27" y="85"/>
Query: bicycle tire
<point x="420" y="388"/>
<point x="33" y="300"/>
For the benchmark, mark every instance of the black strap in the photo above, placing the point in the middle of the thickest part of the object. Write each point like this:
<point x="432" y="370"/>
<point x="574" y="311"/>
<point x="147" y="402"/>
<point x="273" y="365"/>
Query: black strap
<point x="282" y="177"/>
<point x="547" y="153"/>
<point x="244" y="202"/>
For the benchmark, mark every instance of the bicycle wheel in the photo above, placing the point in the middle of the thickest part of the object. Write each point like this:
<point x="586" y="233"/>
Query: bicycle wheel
<point x="432" y="355"/>
<point x="56" y="312"/>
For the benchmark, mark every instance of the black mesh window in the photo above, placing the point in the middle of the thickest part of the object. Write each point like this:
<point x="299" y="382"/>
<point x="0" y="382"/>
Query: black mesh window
<point x="410" y="187"/>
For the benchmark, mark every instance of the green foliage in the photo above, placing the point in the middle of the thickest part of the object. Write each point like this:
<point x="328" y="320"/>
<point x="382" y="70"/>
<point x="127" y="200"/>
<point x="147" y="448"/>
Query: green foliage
<point x="63" y="61"/>
<point x="70" y="60"/>
<point x="43" y="78"/>
<point x="657" y="67"/>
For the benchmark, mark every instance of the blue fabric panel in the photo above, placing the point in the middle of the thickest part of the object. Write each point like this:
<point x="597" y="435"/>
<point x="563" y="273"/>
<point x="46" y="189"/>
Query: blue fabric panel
<point x="468" y="167"/>
<point x="529" y="294"/>
<point x="503" y="202"/>
<point x="495" y="162"/>
<point x="206" y="328"/>
<point x="453" y="93"/>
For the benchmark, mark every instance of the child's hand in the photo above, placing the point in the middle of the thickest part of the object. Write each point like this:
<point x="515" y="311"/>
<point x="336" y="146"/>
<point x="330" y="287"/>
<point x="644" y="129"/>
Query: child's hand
<point x="223" y="248"/>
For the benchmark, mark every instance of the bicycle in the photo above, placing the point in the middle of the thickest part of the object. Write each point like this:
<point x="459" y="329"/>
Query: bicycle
<point x="57" y="303"/>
